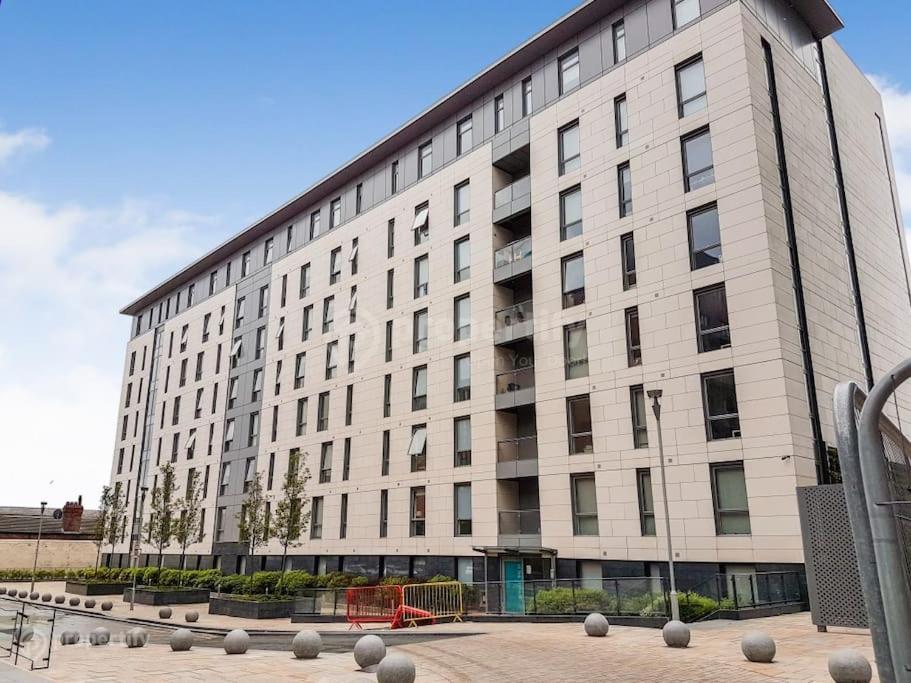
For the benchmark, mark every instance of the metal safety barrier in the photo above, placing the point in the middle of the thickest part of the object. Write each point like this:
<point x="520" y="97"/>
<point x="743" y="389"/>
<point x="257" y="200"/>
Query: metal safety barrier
<point x="373" y="604"/>
<point x="432" y="601"/>
<point x="402" y="606"/>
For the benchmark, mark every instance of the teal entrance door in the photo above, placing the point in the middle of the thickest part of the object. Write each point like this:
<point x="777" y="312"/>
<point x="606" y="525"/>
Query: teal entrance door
<point x="513" y="587"/>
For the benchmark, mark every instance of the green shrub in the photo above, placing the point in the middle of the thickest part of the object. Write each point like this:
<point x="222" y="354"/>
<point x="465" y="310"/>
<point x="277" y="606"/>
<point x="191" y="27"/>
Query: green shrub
<point x="396" y="581"/>
<point x="694" y="606"/>
<point x="264" y="582"/>
<point x="569" y="601"/>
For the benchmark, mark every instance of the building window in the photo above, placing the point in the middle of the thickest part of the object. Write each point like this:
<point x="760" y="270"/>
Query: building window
<point x="388" y="340"/>
<point x="325" y="463"/>
<point x="461" y="258"/>
<point x="419" y="331"/>
<point x="335" y="212"/>
<point x="280" y="334"/>
<point x="316" y="517"/>
<point x="417" y="448"/>
<point x="268" y="251"/>
<point x="219" y="523"/>
<point x="421" y="225"/>
<point x="300" y="369"/>
<point x="573" y="274"/>
<point x="305" y="280"/>
<point x="637" y="412"/>
<point x="463" y="136"/>
<point x="332" y="359"/>
<point x="352" y="305"/>
<point x="322" y="412"/>
<point x="358" y="199"/>
<point x="394" y="176"/>
<point x="384" y="512"/>
<point x="225" y="478"/>
<point x="390" y="238"/>
<point x="461" y="495"/>
<point x="260" y="349"/>
<point x="462" y="438"/>
<point x="421" y="276"/>
<point x="526" y="97"/>
<point x="418" y="510"/>
<point x="585" y="505"/>
<point x="625" y="190"/>
<point x="213" y="282"/>
<point x="719" y="400"/>
<point x="575" y="350"/>
<point x="579" y="421"/>
<point x="712" y="329"/>
<point x="335" y="265"/>
<point x="628" y="260"/>
<point x="570" y="158"/>
<point x="384" y="463"/>
<point x="239" y="311"/>
<point x="685" y="11"/>
<point x="232" y="392"/>
<point x="633" y="341"/>
<point x="690" y="78"/>
<point x="257" y="385"/>
<point x="704" y="236"/>
<point x="245" y="264"/>
<point x="621" y="121"/>
<point x="346" y="460"/>
<point x="283" y="299"/>
<point x="499" y="114"/>
<point x="328" y="313"/>
<point x="425" y="159"/>
<point x="698" y="166"/>
<point x="646" y="502"/>
<point x="571" y="213"/>
<point x="618" y="32"/>
<point x="390" y="288"/>
<point x="419" y="388"/>
<point x="253" y="433"/>
<point x="314" y="224"/>
<point x="343" y="517"/>
<point x="350" y="353"/>
<point x="568" y="66"/>
<point x="278" y="377"/>
<point x="387" y="395"/>
<point x="462" y="318"/>
<point x="729" y="495"/>
<point x="462" y="377"/>
<point x="301" y="419"/>
<point x="352" y="257"/>
<point x="462" y="203"/>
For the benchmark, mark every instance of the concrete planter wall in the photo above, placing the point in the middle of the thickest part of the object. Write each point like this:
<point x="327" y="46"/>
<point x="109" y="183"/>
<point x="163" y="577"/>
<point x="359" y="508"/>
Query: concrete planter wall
<point x="88" y="588"/>
<point x="249" y="609"/>
<point x="168" y="596"/>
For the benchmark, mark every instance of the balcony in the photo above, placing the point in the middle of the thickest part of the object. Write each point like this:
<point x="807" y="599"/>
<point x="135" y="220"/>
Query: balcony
<point x="511" y="148"/>
<point x="514" y="323"/>
<point x="518" y="528"/>
<point x="512" y="200"/>
<point x="512" y="260"/>
<point x="517" y="457"/>
<point x="515" y="388"/>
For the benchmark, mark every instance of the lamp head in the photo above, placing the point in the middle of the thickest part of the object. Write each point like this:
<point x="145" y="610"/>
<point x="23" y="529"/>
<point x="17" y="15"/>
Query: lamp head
<point x="654" y="393"/>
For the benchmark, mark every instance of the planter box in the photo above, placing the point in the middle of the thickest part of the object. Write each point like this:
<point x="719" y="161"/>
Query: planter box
<point x="250" y="609"/>
<point x="91" y="588"/>
<point x="168" y="596"/>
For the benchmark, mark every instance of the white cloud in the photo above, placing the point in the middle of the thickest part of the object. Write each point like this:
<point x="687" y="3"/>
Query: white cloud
<point x="27" y="139"/>
<point x="897" y="106"/>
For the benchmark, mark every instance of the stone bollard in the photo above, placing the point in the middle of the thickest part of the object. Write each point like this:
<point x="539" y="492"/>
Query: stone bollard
<point x="33" y="595"/>
<point x="12" y="592"/>
<point x="23" y="594"/>
<point x="191" y="617"/>
<point x="236" y="642"/>
<point x="369" y="651"/>
<point x="164" y="613"/>
<point x="849" y="666"/>
<point x="74" y="601"/>
<point x="596" y="625"/>
<point x="676" y="634"/>
<point x="306" y="645"/>
<point x="100" y="636"/>
<point x="136" y="637"/>
<point x="70" y="638"/>
<point x="182" y="640"/>
<point x="89" y="603"/>
<point x="107" y="606"/>
<point x="758" y="647"/>
<point x="46" y="597"/>
<point x="396" y="668"/>
<point x="59" y="599"/>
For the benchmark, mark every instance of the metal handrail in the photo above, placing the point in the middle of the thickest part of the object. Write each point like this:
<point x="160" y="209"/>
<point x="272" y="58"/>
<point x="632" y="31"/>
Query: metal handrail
<point x="517" y="452"/>
<point x="517" y="314"/>
<point x="514" y="251"/>
<point x="518" y="188"/>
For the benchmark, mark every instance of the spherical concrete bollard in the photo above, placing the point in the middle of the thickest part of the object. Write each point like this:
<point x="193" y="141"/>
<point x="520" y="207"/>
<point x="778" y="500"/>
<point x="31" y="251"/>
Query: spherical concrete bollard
<point x="107" y="606"/>
<point x="369" y="651"/>
<point x="182" y="640"/>
<point x="164" y="613"/>
<point x="849" y="666"/>
<point x="758" y="647"/>
<point x="191" y="617"/>
<point x="306" y="645"/>
<point x="2" y="590"/>
<point x="59" y="599"/>
<point x="676" y="634"/>
<point x="23" y="594"/>
<point x="70" y="638"/>
<point x="89" y="603"/>
<point x="33" y="595"/>
<point x="236" y="642"/>
<point x="396" y="668"/>
<point x="46" y="597"/>
<point x="136" y="637"/>
<point x="74" y="601"/>
<point x="100" y="636"/>
<point x="596" y="625"/>
<point x="12" y="592"/>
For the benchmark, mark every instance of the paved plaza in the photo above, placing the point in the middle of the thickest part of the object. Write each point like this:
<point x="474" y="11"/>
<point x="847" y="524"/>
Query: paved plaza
<point x="469" y="651"/>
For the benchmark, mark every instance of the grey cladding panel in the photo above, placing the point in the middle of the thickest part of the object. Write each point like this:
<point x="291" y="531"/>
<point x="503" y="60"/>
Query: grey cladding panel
<point x="408" y="167"/>
<point x="708" y="5"/>
<point x="538" y="79"/>
<point x="660" y="18"/>
<point x="636" y="24"/>
<point x="590" y="58"/>
<point x="551" y="83"/>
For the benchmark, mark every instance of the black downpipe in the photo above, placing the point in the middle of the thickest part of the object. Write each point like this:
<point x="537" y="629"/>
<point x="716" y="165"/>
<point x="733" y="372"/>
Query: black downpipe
<point x="822" y="464"/>
<point x="846" y="219"/>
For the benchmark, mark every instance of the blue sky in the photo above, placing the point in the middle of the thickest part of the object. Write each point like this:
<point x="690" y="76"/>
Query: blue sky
<point x="134" y="136"/>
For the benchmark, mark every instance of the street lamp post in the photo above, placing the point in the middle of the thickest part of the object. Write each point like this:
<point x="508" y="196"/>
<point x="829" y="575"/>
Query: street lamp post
<point x="655" y="395"/>
<point x="134" y="543"/>
<point x="37" y="543"/>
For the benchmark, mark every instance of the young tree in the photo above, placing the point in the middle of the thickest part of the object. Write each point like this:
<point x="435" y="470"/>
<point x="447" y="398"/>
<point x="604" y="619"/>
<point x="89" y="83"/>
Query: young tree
<point x="187" y="526"/>
<point x="292" y="514"/>
<point x="116" y="516"/>
<point x="100" y="528"/>
<point x="253" y="525"/>
<point x="160" y="527"/>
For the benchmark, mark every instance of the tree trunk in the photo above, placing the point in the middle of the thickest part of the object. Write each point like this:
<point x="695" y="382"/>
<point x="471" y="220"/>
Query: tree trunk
<point x="183" y="565"/>
<point x="97" y="559"/>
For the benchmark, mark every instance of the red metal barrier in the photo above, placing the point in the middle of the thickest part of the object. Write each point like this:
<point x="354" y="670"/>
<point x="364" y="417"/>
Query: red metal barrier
<point x="374" y="605"/>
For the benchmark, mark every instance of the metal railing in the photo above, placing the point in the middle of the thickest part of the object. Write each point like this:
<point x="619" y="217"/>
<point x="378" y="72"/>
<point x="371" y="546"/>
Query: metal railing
<point x="512" y="253"/>
<point x="520" y="448"/>
<point x="519" y="522"/>
<point x="519" y="188"/>
<point x="27" y="633"/>
<point x="748" y="591"/>
<point x="515" y="321"/>
<point x="515" y="380"/>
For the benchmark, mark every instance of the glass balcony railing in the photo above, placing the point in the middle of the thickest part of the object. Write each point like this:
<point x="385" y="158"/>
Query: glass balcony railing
<point x="519" y="522"/>
<point x="514" y="252"/>
<point x="514" y="322"/>
<point x="519" y="188"/>
<point x="515" y="380"/>
<point x="514" y="450"/>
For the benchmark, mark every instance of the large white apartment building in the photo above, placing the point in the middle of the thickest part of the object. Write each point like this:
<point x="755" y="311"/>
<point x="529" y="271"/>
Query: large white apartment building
<point x="458" y="328"/>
